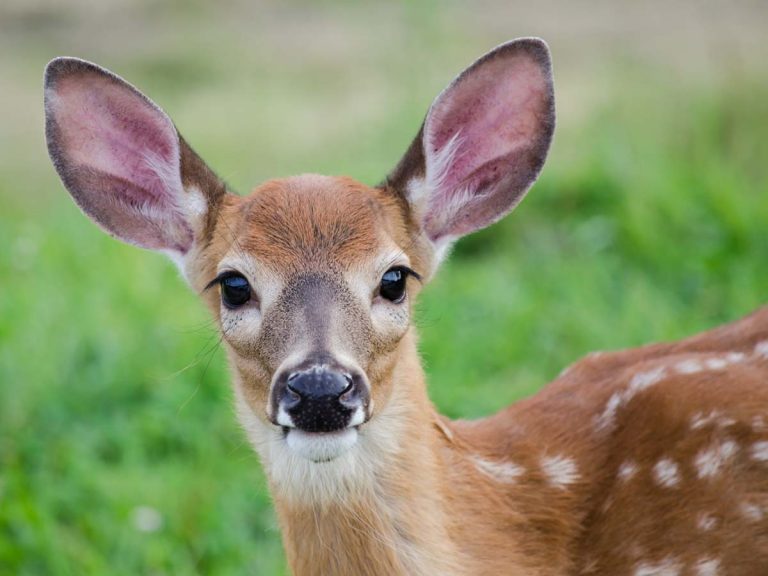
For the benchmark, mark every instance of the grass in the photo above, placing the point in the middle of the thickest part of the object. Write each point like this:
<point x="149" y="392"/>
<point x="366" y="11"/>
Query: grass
<point x="648" y="223"/>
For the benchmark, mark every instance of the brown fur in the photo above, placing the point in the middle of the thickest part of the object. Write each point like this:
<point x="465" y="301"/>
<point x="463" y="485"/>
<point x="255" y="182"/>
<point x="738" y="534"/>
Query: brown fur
<point x="310" y="220"/>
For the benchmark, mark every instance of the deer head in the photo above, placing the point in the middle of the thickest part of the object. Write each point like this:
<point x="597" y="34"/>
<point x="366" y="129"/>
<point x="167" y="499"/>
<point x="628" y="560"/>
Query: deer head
<point x="311" y="279"/>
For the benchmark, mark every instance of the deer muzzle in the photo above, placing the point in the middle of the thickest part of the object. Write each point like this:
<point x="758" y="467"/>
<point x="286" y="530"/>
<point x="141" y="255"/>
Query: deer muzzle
<point x="319" y="398"/>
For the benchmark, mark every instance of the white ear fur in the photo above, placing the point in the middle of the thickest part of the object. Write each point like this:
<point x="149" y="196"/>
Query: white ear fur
<point x="483" y="143"/>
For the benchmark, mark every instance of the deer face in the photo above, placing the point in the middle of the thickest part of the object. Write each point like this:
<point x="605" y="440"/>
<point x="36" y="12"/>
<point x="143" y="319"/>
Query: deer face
<point x="311" y="278"/>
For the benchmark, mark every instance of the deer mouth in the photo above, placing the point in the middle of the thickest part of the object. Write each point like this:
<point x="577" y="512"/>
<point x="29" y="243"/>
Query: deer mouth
<point x="320" y="447"/>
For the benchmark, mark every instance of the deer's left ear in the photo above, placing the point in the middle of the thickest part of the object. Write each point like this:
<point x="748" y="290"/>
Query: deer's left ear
<point x="482" y="144"/>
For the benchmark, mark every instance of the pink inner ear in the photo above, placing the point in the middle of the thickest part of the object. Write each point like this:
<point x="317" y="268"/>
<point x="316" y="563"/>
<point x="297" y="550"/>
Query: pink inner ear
<point x="116" y="132"/>
<point x="484" y="141"/>
<point x="119" y="156"/>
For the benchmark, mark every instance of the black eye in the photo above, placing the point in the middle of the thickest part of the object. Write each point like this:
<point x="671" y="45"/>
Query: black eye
<point x="235" y="290"/>
<point x="392" y="285"/>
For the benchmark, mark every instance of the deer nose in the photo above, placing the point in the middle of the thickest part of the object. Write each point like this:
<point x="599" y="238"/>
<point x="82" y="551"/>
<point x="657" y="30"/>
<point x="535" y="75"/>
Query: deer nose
<point x="318" y="384"/>
<point x="319" y="399"/>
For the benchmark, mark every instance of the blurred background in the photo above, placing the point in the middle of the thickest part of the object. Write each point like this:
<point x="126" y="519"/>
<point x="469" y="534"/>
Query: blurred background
<point x="119" y="451"/>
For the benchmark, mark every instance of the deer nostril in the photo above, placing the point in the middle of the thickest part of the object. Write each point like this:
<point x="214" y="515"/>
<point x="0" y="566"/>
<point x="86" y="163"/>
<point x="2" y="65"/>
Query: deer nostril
<point x="318" y="383"/>
<point x="291" y="383"/>
<point x="292" y="398"/>
<point x="351" y="395"/>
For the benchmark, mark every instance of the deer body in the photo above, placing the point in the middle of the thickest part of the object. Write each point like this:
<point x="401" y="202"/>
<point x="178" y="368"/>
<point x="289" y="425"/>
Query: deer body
<point x="650" y="461"/>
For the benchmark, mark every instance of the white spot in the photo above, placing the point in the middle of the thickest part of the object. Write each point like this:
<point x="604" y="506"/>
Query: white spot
<point x="667" y="473"/>
<point x="606" y="419"/>
<point x="560" y="470"/>
<point x="715" y="363"/>
<point x="710" y="461"/>
<point x="639" y="382"/>
<point x="707" y="567"/>
<point x="666" y="567"/>
<point x="735" y="357"/>
<point x="759" y="451"/>
<point x="627" y="470"/>
<point x="758" y="424"/>
<point x="147" y="519"/>
<point x="700" y="420"/>
<point x="688" y="367"/>
<point x="644" y="380"/>
<point x="706" y="522"/>
<point x="692" y="365"/>
<point x="751" y="511"/>
<point x="761" y="349"/>
<point x="505" y="472"/>
<point x="725" y="421"/>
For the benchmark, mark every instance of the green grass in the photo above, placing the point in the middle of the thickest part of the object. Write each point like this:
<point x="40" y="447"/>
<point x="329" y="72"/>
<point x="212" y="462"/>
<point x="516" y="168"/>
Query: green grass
<point x="650" y="222"/>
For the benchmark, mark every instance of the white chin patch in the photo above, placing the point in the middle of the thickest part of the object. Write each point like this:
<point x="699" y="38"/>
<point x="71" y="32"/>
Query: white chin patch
<point x="321" y="446"/>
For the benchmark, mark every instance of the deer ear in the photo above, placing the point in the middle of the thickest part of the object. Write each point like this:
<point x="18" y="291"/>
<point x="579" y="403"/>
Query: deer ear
<point x="123" y="161"/>
<point x="482" y="144"/>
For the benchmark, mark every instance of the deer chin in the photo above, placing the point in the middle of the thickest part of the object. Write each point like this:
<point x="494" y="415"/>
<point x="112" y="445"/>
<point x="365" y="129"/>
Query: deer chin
<point x="320" y="447"/>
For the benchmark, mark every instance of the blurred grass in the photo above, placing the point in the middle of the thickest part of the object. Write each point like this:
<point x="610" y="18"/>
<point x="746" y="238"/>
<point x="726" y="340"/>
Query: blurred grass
<point x="648" y="223"/>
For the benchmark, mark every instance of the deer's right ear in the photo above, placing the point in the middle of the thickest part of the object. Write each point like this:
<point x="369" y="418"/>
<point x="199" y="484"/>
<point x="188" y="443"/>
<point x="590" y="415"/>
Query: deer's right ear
<point x="123" y="161"/>
<point x="482" y="144"/>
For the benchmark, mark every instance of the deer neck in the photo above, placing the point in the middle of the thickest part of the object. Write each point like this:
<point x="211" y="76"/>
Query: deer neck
<point x="382" y="508"/>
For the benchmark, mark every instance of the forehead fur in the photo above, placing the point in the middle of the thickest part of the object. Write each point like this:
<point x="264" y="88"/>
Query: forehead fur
<point x="296" y="223"/>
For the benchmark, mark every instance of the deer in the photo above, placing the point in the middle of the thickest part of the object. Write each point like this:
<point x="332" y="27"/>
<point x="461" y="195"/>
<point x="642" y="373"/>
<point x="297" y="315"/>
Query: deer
<point x="646" y="461"/>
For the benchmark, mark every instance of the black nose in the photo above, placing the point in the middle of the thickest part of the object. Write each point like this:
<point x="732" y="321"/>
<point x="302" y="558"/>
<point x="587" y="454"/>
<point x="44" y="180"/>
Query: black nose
<point x="319" y="384"/>
<point x="319" y="399"/>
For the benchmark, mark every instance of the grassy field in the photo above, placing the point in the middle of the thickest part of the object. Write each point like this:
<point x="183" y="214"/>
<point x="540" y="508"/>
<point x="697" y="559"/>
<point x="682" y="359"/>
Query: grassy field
<point x="119" y="452"/>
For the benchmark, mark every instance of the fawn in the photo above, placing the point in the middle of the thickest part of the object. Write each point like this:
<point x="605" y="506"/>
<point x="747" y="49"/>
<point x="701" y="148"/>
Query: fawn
<point x="647" y="461"/>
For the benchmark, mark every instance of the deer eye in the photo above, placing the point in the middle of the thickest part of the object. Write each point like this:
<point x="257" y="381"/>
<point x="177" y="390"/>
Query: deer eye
<point x="235" y="290"/>
<point x="392" y="285"/>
